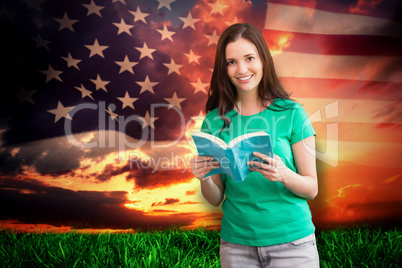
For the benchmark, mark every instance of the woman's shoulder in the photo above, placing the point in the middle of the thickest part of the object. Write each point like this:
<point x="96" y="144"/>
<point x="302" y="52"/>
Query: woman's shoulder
<point x="285" y="104"/>
<point x="215" y="113"/>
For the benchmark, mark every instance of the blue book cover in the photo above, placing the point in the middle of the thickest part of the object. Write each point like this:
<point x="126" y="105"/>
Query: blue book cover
<point x="233" y="157"/>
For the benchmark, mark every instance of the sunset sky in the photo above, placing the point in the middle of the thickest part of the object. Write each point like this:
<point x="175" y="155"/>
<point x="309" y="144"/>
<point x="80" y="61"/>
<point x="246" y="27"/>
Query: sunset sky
<point x="129" y="79"/>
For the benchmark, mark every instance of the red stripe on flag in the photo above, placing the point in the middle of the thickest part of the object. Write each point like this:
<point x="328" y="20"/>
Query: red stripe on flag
<point x="385" y="10"/>
<point x="357" y="45"/>
<point x="344" y="89"/>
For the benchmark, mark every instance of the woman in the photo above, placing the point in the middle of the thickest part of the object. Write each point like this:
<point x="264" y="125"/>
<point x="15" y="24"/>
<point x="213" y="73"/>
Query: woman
<point x="266" y="219"/>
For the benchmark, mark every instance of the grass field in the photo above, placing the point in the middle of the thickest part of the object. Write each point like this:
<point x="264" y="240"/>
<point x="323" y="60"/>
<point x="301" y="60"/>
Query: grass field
<point x="352" y="247"/>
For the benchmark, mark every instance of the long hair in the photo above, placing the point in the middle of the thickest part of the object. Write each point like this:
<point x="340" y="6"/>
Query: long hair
<point x="222" y="93"/>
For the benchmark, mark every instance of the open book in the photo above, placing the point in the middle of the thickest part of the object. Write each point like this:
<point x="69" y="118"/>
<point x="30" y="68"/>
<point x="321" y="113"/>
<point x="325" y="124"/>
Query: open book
<point x="233" y="157"/>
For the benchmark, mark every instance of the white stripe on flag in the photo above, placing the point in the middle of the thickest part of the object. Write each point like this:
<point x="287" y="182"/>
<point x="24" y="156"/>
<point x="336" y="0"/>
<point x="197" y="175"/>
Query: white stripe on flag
<point x="294" y="64"/>
<point x="308" y="20"/>
<point x="351" y="110"/>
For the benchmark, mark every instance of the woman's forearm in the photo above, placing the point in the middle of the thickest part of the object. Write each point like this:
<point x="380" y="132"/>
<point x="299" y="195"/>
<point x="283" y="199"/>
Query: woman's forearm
<point x="303" y="186"/>
<point x="211" y="192"/>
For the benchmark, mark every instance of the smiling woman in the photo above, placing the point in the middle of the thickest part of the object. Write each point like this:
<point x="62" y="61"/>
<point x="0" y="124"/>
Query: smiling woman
<point x="245" y="67"/>
<point x="266" y="219"/>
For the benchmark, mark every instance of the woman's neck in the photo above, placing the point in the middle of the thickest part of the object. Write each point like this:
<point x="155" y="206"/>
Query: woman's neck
<point x="249" y="105"/>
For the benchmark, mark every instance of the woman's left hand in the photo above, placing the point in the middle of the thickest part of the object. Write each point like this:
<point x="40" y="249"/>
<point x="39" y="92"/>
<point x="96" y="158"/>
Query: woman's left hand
<point x="275" y="170"/>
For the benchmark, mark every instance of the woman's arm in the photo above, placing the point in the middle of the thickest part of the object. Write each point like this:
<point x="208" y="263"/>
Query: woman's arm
<point x="304" y="183"/>
<point x="212" y="187"/>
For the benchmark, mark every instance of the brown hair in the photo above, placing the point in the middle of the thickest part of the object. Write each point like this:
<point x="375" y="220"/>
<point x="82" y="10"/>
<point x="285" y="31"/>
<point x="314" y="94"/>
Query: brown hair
<point x="222" y="93"/>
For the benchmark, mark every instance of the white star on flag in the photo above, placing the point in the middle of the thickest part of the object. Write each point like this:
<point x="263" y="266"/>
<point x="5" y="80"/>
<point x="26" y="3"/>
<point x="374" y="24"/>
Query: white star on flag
<point x="166" y="34"/>
<point x="112" y="114"/>
<point x="65" y="22"/>
<point x="192" y="57"/>
<point x="138" y="15"/>
<point x="201" y="115"/>
<point x="213" y="38"/>
<point x="147" y="85"/>
<point x="148" y="120"/>
<point x="84" y="92"/>
<point x="189" y="21"/>
<point x="93" y="9"/>
<point x="217" y="7"/>
<point x="100" y="84"/>
<point x="41" y="43"/>
<point x="233" y="22"/>
<point x="200" y="86"/>
<point x="127" y="101"/>
<point x="71" y="61"/>
<point x="173" y="67"/>
<point x="126" y="65"/>
<point x="123" y="27"/>
<point x="96" y="49"/>
<point x="174" y="101"/>
<point x="25" y="96"/>
<point x="61" y="111"/>
<point x="165" y="3"/>
<point x="52" y="74"/>
<point x="35" y="4"/>
<point x="146" y="51"/>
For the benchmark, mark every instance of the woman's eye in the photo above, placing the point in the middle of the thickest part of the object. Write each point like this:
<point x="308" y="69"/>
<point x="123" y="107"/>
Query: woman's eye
<point x="250" y="58"/>
<point x="230" y="62"/>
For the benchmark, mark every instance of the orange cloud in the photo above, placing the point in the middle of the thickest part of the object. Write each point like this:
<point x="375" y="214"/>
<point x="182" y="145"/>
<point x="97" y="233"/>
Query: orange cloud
<point x="353" y="193"/>
<point x="192" y="192"/>
<point x="363" y="6"/>
<point x="278" y="41"/>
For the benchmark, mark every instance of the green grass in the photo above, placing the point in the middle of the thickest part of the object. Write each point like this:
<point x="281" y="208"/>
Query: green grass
<point x="352" y="247"/>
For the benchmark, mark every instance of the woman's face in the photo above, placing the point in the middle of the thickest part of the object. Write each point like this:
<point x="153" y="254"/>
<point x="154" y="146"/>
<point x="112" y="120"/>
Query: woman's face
<point x="244" y="65"/>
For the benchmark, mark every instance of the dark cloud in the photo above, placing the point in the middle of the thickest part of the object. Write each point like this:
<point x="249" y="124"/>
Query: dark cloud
<point x="168" y="201"/>
<point x="110" y="170"/>
<point x="391" y="113"/>
<point x="9" y="164"/>
<point x="46" y="157"/>
<point x="149" y="178"/>
<point x="58" y="156"/>
<point x="31" y="201"/>
<point x="192" y="192"/>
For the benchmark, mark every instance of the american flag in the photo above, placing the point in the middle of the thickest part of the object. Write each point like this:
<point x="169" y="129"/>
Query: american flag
<point x="127" y="54"/>
<point x="94" y="64"/>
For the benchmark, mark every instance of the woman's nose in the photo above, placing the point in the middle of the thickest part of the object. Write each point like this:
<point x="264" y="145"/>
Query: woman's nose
<point x="242" y="68"/>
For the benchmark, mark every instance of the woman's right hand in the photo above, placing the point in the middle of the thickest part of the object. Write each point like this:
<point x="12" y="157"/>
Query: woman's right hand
<point x="202" y="165"/>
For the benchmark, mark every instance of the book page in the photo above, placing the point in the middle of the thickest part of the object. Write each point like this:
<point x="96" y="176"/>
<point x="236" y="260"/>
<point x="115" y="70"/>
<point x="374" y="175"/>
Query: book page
<point x="246" y="136"/>
<point x="210" y="137"/>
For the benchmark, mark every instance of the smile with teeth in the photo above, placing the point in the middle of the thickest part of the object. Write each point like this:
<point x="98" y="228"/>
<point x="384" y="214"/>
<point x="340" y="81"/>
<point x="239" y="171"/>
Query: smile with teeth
<point x="244" y="78"/>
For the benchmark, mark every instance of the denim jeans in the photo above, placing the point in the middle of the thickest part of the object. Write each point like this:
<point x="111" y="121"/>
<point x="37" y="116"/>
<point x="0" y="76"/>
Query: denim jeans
<point x="301" y="253"/>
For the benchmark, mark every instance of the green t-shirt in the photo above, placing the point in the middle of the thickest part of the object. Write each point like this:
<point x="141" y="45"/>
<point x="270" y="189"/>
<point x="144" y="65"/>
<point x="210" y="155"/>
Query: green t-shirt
<point x="256" y="211"/>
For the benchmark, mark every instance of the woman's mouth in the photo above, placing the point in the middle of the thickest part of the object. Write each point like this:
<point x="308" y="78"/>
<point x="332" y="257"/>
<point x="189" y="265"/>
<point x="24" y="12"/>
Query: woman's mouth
<point x="245" y="79"/>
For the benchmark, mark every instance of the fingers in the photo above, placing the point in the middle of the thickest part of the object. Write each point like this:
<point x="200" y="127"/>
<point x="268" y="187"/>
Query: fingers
<point x="206" y="166"/>
<point x="264" y="157"/>
<point x="268" y="167"/>
<point x="199" y="158"/>
<point x="202" y="165"/>
<point x="265" y="173"/>
<point x="273" y="171"/>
